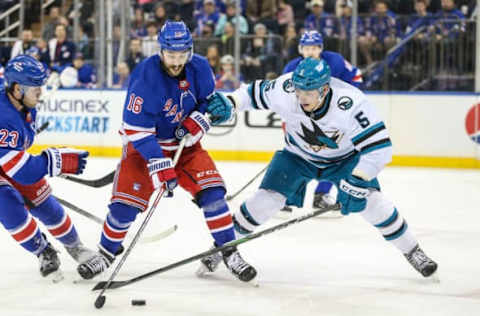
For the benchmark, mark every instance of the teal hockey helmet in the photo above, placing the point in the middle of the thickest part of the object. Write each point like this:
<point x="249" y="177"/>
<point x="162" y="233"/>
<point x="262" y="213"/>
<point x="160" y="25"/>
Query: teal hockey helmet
<point x="311" y="74"/>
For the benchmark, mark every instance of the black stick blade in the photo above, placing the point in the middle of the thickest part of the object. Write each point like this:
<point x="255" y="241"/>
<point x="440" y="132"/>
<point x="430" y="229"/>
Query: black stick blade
<point x="112" y="285"/>
<point x="100" y="301"/>
<point x="96" y="183"/>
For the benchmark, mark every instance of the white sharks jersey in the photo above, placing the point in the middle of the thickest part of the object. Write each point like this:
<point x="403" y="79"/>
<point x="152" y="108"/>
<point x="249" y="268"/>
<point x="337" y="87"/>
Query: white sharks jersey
<point x="346" y="124"/>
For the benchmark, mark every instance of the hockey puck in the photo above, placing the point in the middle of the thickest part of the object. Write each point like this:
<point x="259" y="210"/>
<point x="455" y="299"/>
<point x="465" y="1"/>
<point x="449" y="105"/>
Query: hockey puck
<point x="139" y="302"/>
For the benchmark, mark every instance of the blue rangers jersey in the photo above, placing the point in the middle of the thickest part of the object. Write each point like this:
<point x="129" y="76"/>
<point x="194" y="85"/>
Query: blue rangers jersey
<point x="339" y="67"/>
<point x="17" y="132"/>
<point x="347" y="124"/>
<point x="156" y="103"/>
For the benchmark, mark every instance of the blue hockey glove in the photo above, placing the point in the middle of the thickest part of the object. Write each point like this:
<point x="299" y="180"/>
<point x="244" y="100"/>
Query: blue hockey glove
<point x="353" y="194"/>
<point x="196" y="125"/>
<point x="220" y="108"/>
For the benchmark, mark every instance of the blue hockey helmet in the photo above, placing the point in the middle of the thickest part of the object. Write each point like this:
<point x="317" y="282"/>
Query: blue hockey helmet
<point x="26" y="71"/>
<point x="175" y="36"/>
<point x="311" y="38"/>
<point x="311" y="74"/>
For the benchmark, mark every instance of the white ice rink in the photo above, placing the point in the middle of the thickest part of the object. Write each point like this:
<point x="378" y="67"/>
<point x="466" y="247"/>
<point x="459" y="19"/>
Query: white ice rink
<point x="318" y="267"/>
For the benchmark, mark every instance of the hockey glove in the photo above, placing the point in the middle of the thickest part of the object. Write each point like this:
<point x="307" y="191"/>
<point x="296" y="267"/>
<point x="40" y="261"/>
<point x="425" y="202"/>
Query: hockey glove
<point x="196" y="125"/>
<point x="220" y="108"/>
<point x="353" y="194"/>
<point x="161" y="170"/>
<point x="65" y="160"/>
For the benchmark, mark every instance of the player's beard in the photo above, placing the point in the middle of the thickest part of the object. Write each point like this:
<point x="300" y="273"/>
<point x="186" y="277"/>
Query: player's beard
<point x="174" y="70"/>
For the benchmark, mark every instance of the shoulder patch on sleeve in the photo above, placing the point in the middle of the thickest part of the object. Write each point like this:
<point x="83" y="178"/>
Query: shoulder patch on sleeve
<point x="344" y="103"/>
<point x="288" y="86"/>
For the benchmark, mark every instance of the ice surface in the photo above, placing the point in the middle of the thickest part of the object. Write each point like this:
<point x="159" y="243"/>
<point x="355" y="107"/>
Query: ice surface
<point x="318" y="267"/>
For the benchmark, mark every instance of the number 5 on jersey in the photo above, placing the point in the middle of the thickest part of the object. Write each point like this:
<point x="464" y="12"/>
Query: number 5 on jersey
<point x="135" y="104"/>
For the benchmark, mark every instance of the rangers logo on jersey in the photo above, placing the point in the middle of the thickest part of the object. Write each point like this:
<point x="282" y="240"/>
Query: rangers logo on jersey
<point x="318" y="139"/>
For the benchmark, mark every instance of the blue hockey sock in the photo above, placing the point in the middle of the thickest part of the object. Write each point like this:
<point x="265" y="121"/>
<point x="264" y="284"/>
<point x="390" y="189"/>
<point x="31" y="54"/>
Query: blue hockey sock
<point x="57" y="221"/>
<point x="323" y="187"/>
<point x="18" y="221"/>
<point x="217" y="215"/>
<point x="116" y="226"/>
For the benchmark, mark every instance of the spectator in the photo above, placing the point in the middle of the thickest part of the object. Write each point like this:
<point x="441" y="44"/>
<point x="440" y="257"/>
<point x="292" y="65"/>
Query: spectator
<point x="23" y="44"/>
<point x="160" y="15"/>
<point x="206" y="39"/>
<point x="345" y="17"/>
<point x="228" y="39"/>
<point x="53" y="19"/>
<point x="261" y="54"/>
<point x="321" y="21"/>
<point x="135" y="55"/>
<point x="285" y="15"/>
<point x="186" y="13"/>
<point x="43" y="52"/>
<point x="226" y="79"/>
<point x="290" y="43"/>
<point x="121" y="78"/>
<point x="213" y="57"/>
<point x="219" y="5"/>
<point x="381" y="32"/>
<point x="208" y="14"/>
<point x="87" y="76"/>
<point x="419" y="19"/>
<point x="61" y="49"/>
<point x="34" y="51"/>
<point x="230" y="16"/>
<point x="263" y="11"/>
<point x="138" y="24"/>
<point x="149" y="43"/>
<point x="83" y="44"/>
<point x="450" y="21"/>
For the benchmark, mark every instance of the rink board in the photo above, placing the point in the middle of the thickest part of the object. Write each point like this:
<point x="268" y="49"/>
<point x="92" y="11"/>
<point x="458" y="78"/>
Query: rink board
<point x="427" y="129"/>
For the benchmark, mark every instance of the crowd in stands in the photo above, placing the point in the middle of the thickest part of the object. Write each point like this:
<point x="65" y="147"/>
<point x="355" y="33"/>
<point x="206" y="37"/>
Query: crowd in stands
<point x="270" y="31"/>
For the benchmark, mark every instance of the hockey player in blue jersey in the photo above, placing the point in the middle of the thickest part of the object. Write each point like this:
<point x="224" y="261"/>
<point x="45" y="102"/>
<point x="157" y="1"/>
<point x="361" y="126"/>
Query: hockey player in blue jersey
<point x="22" y="174"/>
<point x="333" y="133"/>
<point x="311" y="45"/>
<point x="166" y="99"/>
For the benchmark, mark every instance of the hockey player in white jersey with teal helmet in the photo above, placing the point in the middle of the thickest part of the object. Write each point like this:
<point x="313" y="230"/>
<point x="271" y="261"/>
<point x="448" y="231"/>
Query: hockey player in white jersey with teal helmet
<point x="333" y="133"/>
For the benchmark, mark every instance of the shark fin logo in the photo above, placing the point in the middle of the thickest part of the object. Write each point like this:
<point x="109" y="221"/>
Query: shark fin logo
<point x="318" y="139"/>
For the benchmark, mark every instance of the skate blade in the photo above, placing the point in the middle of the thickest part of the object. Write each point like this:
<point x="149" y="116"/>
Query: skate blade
<point x="255" y="282"/>
<point x="201" y="271"/>
<point x="56" y="276"/>
<point x="434" y="278"/>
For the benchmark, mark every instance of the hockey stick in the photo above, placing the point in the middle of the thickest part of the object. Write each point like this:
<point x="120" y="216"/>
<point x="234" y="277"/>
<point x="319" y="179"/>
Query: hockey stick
<point x="231" y="197"/>
<point x="119" y="284"/>
<point x="100" y="300"/>
<point x="95" y="183"/>
<point x="100" y="221"/>
<point x="42" y="127"/>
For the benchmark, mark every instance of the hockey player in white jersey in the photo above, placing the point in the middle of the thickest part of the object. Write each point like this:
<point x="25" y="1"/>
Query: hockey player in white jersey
<point x="332" y="133"/>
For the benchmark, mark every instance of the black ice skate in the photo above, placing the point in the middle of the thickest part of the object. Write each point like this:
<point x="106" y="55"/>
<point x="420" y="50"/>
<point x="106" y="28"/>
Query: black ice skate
<point x="80" y="253"/>
<point x="209" y="263"/>
<point x="419" y="260"/>
<point x="319" y="203"/>
<point x="239" y="267"/>
<point x="95" y="265"/>
<point x="49" y="261"/>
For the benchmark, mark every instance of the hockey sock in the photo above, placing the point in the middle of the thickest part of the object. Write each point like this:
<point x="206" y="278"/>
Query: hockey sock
<point x="382" y="214"/>
<point x="116" y="225"/>
<point x="57" y="221"/>
<point x="18" y="221"/>
<point x="257" y="210"/>
<point x="217" y="215"/>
